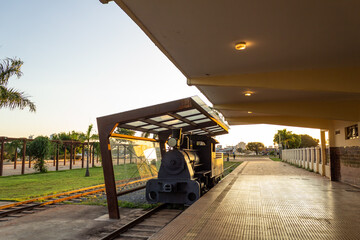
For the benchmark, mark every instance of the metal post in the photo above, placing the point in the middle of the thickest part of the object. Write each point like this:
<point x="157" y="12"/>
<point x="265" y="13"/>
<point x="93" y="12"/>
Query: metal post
<point x="2" y="157"/>
<point x="23" y="158"/>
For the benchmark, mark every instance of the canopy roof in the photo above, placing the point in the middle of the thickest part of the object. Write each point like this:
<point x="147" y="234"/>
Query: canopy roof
<point x="302" y="61"/>
<point x="190" y="114"/>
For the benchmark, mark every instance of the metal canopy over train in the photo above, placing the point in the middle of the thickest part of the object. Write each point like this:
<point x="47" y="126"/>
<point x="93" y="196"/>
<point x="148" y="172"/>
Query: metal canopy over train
<point x="187" y="125"/>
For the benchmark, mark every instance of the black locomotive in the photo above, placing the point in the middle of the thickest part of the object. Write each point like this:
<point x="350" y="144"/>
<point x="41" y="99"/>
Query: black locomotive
<point x="187" y="170"/>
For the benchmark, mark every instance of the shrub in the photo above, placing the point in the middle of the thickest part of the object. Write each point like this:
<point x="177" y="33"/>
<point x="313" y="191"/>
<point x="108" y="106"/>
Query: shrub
<point x="39" y="149"/>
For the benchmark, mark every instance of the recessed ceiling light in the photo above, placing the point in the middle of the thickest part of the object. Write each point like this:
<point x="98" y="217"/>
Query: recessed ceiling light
<point x="248" y="93"/>
<point x="240" y="46"/>
<point x="249" y="112"/>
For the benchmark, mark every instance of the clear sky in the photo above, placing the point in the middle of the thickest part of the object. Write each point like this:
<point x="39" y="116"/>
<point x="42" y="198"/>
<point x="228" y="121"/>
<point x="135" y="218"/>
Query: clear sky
<point x="83" y="59"/>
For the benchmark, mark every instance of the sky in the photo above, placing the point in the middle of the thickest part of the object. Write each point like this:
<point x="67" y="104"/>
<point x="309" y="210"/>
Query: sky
<point x="82" y="60"/>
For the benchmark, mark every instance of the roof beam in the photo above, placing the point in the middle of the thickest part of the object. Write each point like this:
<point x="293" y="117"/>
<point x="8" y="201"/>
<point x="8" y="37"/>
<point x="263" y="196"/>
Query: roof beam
<point x="345" y="79"/>
<point x="347" y="110"/>
<point x="282" y="120"/>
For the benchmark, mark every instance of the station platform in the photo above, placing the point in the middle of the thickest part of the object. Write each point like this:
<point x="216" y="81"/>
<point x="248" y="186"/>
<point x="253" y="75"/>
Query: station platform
<point x="263" y="199"/>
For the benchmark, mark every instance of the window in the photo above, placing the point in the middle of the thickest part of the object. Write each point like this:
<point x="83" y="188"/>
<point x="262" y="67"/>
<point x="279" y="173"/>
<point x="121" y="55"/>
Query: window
<point x="351" y="132"/>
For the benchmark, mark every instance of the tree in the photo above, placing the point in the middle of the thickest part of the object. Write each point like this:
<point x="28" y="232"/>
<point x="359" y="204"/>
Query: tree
<point x="39" y="148"/>
<point x="294" y="141"/>
<point x="308" y="141"/>
<point x="255" y="146"/>
<point x="88" y="136"/>
<point x="125" y="131"/>
<point x="287" y="139"/>
<point x="10" y="97"/>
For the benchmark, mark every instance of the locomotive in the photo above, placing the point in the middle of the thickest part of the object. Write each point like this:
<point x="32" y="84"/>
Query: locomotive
<point x="188" y="169"/>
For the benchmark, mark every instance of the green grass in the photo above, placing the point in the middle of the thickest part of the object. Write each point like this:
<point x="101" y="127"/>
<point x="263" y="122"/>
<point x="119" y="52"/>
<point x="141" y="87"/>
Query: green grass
<point x="22" y="187"/>
<point x="228" y="164"/>
<point x="123" y="204"/>
<point x="275" y="159"/>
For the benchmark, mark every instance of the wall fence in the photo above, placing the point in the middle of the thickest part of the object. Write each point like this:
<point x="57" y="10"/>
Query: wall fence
<point x="314" y="159"/>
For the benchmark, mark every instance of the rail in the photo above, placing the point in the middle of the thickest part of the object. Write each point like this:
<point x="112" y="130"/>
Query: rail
<point x="17" y="207"/>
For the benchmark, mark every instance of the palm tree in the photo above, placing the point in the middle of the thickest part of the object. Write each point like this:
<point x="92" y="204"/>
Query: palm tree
<point x="10" y="97"/>
<point x="88" y="137"/>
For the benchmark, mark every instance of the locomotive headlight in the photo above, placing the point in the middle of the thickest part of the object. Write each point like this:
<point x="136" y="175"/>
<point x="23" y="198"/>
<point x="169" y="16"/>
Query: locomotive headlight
<point x="172" y="142"/>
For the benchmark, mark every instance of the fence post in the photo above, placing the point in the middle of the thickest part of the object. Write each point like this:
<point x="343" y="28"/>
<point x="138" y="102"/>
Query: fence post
<point x="93" y="156"/>
<point x="64" y="154"/>
<point x="23" y="157"/>
<point x="15" y="157"/>
<point x="54" y="162"/>
<point x="317" y="159"/>
<point x="323" y="152"/>
<point x="74" y="155"/>
<point x="57" y="157"/>
<point x="71" y="155"/>
<point x="2" y="156"/>
<point x="82" y="155"/>
<point x="312" y="151"/>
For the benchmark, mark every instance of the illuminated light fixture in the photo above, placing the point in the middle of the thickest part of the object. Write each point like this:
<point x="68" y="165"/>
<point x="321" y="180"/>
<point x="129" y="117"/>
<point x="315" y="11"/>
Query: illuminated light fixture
<point x="240" y="46"/>
<point x="249" y="112"/>
<point x="248" y="93"/>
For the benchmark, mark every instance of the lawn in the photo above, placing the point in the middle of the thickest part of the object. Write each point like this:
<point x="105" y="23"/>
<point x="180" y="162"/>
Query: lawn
<point x="228" y="164"/>
<point x="275" y="159"/>
<point x="21" y="187"/>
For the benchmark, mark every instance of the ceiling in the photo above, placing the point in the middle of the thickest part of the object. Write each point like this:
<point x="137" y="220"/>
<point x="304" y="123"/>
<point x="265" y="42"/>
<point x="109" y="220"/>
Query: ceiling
<point x="302" y="60"/>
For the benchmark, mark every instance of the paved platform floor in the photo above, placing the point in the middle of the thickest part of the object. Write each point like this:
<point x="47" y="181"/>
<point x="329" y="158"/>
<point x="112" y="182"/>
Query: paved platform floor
<point x="263" y="199"/>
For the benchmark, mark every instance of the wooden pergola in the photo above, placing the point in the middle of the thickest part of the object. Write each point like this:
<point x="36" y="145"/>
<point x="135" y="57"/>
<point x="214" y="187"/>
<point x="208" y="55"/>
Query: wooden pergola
<point x="65" y="143"/>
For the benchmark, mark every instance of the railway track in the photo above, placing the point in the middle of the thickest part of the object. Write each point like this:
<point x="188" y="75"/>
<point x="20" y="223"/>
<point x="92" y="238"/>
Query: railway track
<point x="27" y="206"/>
<point x="144" y="226"/>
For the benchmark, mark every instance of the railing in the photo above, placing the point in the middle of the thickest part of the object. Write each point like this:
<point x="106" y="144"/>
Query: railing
<point x="308" y="158"/>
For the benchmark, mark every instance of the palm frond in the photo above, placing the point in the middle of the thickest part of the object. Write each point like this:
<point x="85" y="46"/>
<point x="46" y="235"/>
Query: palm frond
<point x="88" y="133"/>
<point x="8" y="68"/>
<point x="11" y="98"/>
